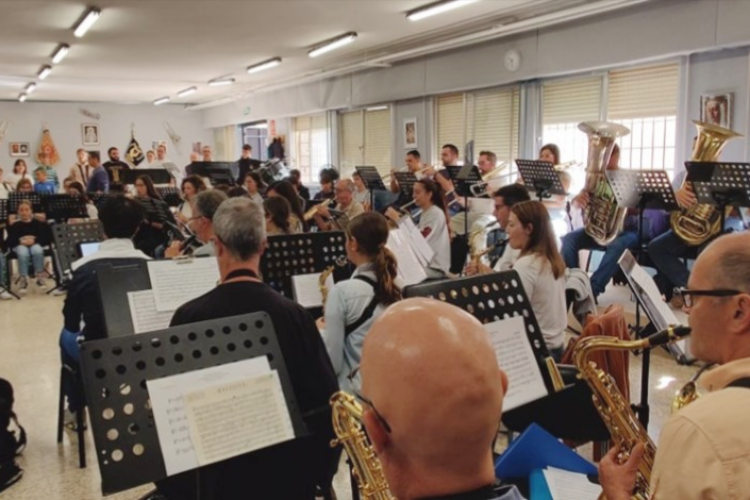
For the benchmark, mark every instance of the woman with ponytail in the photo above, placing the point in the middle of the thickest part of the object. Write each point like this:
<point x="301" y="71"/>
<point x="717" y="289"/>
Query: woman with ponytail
<point x="434" y="224"/>
<point x="354" y="304"/>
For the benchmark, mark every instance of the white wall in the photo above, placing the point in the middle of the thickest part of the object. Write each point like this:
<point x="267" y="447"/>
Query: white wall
<point x="26" y="120"/>
<point x="422" y="110"/>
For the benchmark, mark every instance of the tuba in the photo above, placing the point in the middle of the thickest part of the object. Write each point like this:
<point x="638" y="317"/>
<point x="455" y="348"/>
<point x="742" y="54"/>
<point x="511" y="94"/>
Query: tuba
<point x="624" y="427"/>
<point x="697" y="224"/>
<point x="367" y="469"/>
<point x="604" y="219"/>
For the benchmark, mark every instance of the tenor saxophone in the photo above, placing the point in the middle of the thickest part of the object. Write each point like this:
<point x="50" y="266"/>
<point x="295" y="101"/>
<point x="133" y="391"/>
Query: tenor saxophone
<point x="366" y="467"/>
<point x="624" y="427"/>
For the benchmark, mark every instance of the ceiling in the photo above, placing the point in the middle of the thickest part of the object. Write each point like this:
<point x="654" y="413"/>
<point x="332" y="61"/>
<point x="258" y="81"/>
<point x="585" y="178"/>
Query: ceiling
<point x="141" y="50"/>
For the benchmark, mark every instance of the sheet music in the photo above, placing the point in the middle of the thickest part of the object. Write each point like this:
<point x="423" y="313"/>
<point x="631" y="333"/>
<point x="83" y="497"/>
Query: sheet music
<point x="657" y="310"/>
<point x="168" y="403"/>
<point x="306" y="288"/>
<point x="144" y="314"/>
<point x="238" y="417"/>
<point x="517" y="360"/>
<point x="178" y="281"/>
<point x="416" y="241"/>
<point x="410" y="270"/>
<point x="565" y="485"/>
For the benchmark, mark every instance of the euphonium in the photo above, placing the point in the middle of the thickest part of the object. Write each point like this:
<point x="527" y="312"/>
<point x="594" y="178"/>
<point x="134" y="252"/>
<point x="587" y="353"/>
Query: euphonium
<point x="624" y="427"/>
<point x="604" y="219"/>
<point x="368" y="471"/>
<point x="698" y="223"/>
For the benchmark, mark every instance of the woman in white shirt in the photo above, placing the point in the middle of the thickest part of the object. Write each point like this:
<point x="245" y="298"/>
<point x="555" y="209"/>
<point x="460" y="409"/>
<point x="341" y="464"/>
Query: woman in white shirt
<point x="433" y="224"/>
<point x="191" y="185"/>
<point x="253" y="185"/>
<point x="354" y="304"/>
<point x="20" y="171"/>
<point x="541" y="269"/>
<point x="361" y="193"/>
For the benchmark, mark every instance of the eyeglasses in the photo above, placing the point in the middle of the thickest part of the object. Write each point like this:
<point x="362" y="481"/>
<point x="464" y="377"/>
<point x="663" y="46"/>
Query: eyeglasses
<point x="367" y="402"/>
<point x="687" y="294"/>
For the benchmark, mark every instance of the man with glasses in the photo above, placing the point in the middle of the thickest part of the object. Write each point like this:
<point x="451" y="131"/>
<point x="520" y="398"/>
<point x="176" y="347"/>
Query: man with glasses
<point x="345" y="204"/>
<point x="204" y="206"/>
<point x="432" y="394"/>
<point x="704" y="450"/>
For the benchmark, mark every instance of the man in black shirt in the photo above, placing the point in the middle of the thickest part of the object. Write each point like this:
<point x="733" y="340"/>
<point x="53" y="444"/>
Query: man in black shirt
<point x="289" y="470"/>
<point x="246" y="163"/>
<point x="115" y="163"/>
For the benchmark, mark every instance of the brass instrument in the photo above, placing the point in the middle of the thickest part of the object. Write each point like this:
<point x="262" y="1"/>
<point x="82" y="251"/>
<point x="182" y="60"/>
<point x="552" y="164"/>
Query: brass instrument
<point x="624" y="427"/>
<point x="339" y="262"/>
<point x="697" y="224"/>
<point x="366" y="467"/>
<point x="604" y="219"/>
<point x="480" y="189"/>
<point x="312" y="211"/>
<point x="689" y="392"/>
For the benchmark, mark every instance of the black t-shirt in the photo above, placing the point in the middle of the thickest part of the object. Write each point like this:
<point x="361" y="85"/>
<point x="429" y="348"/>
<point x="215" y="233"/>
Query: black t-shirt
<point x="288" y="470"/>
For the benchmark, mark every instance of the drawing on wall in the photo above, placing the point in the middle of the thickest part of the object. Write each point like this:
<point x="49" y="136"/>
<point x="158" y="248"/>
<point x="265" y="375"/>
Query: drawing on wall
<point x="410" y="133"/>
<point x="717" y="110"/>
<point x="90" y="133"/>
<point x="197" y="147"/>
<point x="19" y="149"/>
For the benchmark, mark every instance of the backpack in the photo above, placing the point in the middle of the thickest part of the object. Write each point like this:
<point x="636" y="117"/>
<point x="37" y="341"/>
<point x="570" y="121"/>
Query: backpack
<point x="12" y="442"/>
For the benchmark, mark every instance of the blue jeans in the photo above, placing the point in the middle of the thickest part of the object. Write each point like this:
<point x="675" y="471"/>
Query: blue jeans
<point x="70" y="353"/>
<point x="579" y="240"/>
<point x="35" y="253"/>
<point x="666" y="252"/>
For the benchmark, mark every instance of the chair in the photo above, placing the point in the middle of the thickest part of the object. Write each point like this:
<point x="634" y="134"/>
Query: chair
<point x="71" y="373"/>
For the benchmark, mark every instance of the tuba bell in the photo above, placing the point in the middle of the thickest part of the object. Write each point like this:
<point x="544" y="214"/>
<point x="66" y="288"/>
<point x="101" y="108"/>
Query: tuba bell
<point x="697" y="224"/>
<point x="604" y="219"/>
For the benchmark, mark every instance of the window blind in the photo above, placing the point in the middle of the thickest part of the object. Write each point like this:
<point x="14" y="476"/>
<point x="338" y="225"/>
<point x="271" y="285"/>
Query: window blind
<point x="351" y="149"/>
<point x="378" y="140"/>
<point x="311" y="149"/>
<point x="495" y="123"/>
<point x="571" y="101"/>
<point x="450" y="121"/>
<point x="643" y="92"/>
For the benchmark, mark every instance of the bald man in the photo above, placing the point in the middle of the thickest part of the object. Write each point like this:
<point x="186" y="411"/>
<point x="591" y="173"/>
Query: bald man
<point x="436" y="396"/>
<point x="704" y="449"/>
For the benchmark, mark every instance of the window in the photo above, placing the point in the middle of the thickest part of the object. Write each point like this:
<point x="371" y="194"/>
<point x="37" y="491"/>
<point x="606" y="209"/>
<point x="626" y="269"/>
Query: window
<point x="255" y="135"/>
<point x="311" y="148"/>
<point x="645" y="100"/>
<point x="365" y="139"/>
<point x="450" y="121"/>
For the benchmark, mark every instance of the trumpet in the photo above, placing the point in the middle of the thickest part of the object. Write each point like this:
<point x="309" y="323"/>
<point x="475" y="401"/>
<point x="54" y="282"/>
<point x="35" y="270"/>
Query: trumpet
<point x="480" y="189"/>
<point x="313" y="211"/>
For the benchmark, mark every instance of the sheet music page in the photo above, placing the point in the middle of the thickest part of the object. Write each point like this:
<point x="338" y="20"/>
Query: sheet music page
<point x="167" y="396"/>
<point x="238" y="417"/>
<point x="658" y="310"/>
<point x="416" y="241"/>
<point x="564" y="485"/>
<point x="410" y="270"/>
<point x="175" y="282"/>
<point x="516" y="359"/>
<point x="306" y="290"/>
<point x="482" y="205"/>
<point x="144" y="314"/>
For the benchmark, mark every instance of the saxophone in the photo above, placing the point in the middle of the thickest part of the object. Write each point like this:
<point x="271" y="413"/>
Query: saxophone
<point x="367" y="469"/>
<point x="699" y="223"/>
<point x="604" y="219"/>
<point x="340" y="262"/>
<point x="624" y="427"/>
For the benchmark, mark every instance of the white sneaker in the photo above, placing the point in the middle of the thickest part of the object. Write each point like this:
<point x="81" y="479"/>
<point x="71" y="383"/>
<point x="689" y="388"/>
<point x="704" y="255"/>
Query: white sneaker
<point x="4" y="295"/>
<point x="23" y="286"/>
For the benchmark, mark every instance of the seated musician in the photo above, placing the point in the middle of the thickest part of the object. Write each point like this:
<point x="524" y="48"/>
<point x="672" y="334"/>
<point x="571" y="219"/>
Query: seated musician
<point x="413" y="165"/>
<point x="28" y="236"/>
<point x="557" y="204"/>
<point x="76" y="189"/>
<point x="191" y="185"/>
<point x="432" y="395"/>
<point x="152" y="234"/>
<point x="361" y="193"/>
<point x="326" y="188"/>
<point x="286" y="190"/>
<point x="345" y="203"/>
<point x="278" y="216"/>
<point x="289" y="470"/>
<point x="204" y="206"/>
<point x="254" y="186"/>
<point x="295" y="177"/>
<point x="352" y="305"/>
<point x="704" y="449"/>
<point x="578" y="240"/>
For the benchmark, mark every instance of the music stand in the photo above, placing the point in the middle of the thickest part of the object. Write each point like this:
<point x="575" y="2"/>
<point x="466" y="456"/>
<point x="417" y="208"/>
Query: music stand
<point x="115" y="372"/>
<point x="15" y="198"/>
<point x="66" y="238"/>
<point x="61" y="207"/>
<point x="4" y="213"/>
<point x="171" y="195"/>
<point x="722" y="184"/>
<point x="217" y="172"/>
<point x="100" y="198"/>
<point x="406" y="181"/>
<point x="157" y="175"/>
<point x="540" y="177"/>
<point x="115" y="278"/>
<point x="371" y="178"/>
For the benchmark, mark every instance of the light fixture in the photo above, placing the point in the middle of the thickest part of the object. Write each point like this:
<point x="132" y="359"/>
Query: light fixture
<point x="436" y="8"/>
<point x="271" y="63"/>
<point x="333" y="44"/>
<point x="44" y="72"/>
<point x="30" y="87"/>
<point x="220" y="81"/>
<point x="187" y="91"/>
<point x="161" y="100"/>
<point x="263" y="125"/>
<point x="377" y="108"/>
<point x="60" y="52"/>
<point x="88" y="20"/>
<point x="22" y="97"/>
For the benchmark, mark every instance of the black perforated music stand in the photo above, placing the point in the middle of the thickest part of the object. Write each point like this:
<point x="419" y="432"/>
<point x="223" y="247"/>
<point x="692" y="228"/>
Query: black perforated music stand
<point x="4" y="222"/>
<point x="540" y="177"/>
<point x="66" y="238"/>
<point x="722" y="184"/>
<point x="170" y="195"/>
<point x="4" y="213"/>
<point x="115" y="371"/>
<point x="371" y="178"/>
<point x="157" y="175"/>
<point x="100" y="198"/>
<point x="15" y="198"/>
<point x="61" y="207"/>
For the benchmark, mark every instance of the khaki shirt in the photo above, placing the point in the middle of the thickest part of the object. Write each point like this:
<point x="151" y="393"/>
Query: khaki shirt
<point x="704" y="450"/>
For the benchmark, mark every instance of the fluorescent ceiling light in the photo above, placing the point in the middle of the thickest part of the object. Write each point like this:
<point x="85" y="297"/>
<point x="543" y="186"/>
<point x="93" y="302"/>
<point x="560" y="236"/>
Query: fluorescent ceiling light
<point x="259" y="125"/>
<point x="60" y="52"/>
<point x="187" y="91"/>
<point x="436" y="8"/>
<point x="30" y="87"/>
<point x="86" y="22"/>
<point x="377" y="108"/>
<point x="44" y="72"/>
<point x="22" y="97"/>
<point x="333" y="44"/>
<point x="271" y="63"/>
<point x="221" y="81"/>
<point x="161" y="100"/>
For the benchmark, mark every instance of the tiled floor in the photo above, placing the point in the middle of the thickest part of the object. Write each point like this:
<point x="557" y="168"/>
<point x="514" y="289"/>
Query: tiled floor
<point x="29" y="358"/>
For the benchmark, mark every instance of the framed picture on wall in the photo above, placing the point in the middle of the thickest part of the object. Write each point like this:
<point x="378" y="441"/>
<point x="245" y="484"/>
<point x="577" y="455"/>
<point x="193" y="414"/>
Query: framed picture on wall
<point x="410" y="133"/>
<point x="90" y="134"/>
<point x="19" y="149"/>
<point x="717" y="110"/>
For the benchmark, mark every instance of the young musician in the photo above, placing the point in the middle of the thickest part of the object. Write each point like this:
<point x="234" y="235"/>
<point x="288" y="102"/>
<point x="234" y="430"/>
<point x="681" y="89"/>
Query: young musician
<point x="295" y="177"/>
<point x="278" y="216"/>
<point x="286" y="190"/>
<point x="413" y="164"/>
<point x="557" y="205"/>
<point x="326" y="188"/>
<point x="354" y="304"/>
<point x="541" y="269"/>
<point x="27" y="236"/>
<point x="361" y="194"/>
<point x="152" y="234"/>
<point x="253" y="185"/>
<point x="433" y="224"/>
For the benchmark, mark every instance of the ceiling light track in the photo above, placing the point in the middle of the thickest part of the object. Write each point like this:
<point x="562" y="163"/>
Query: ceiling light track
<point x="333" y="44"/>
<point x="86" y="21"/>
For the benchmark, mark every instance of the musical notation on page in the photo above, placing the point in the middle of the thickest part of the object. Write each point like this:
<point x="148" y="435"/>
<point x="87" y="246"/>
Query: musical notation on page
<point x="178" y="281"/>
<point x="144" y="314"/>
<point x="410" y="270"/>
<point x="306" y="289"/>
